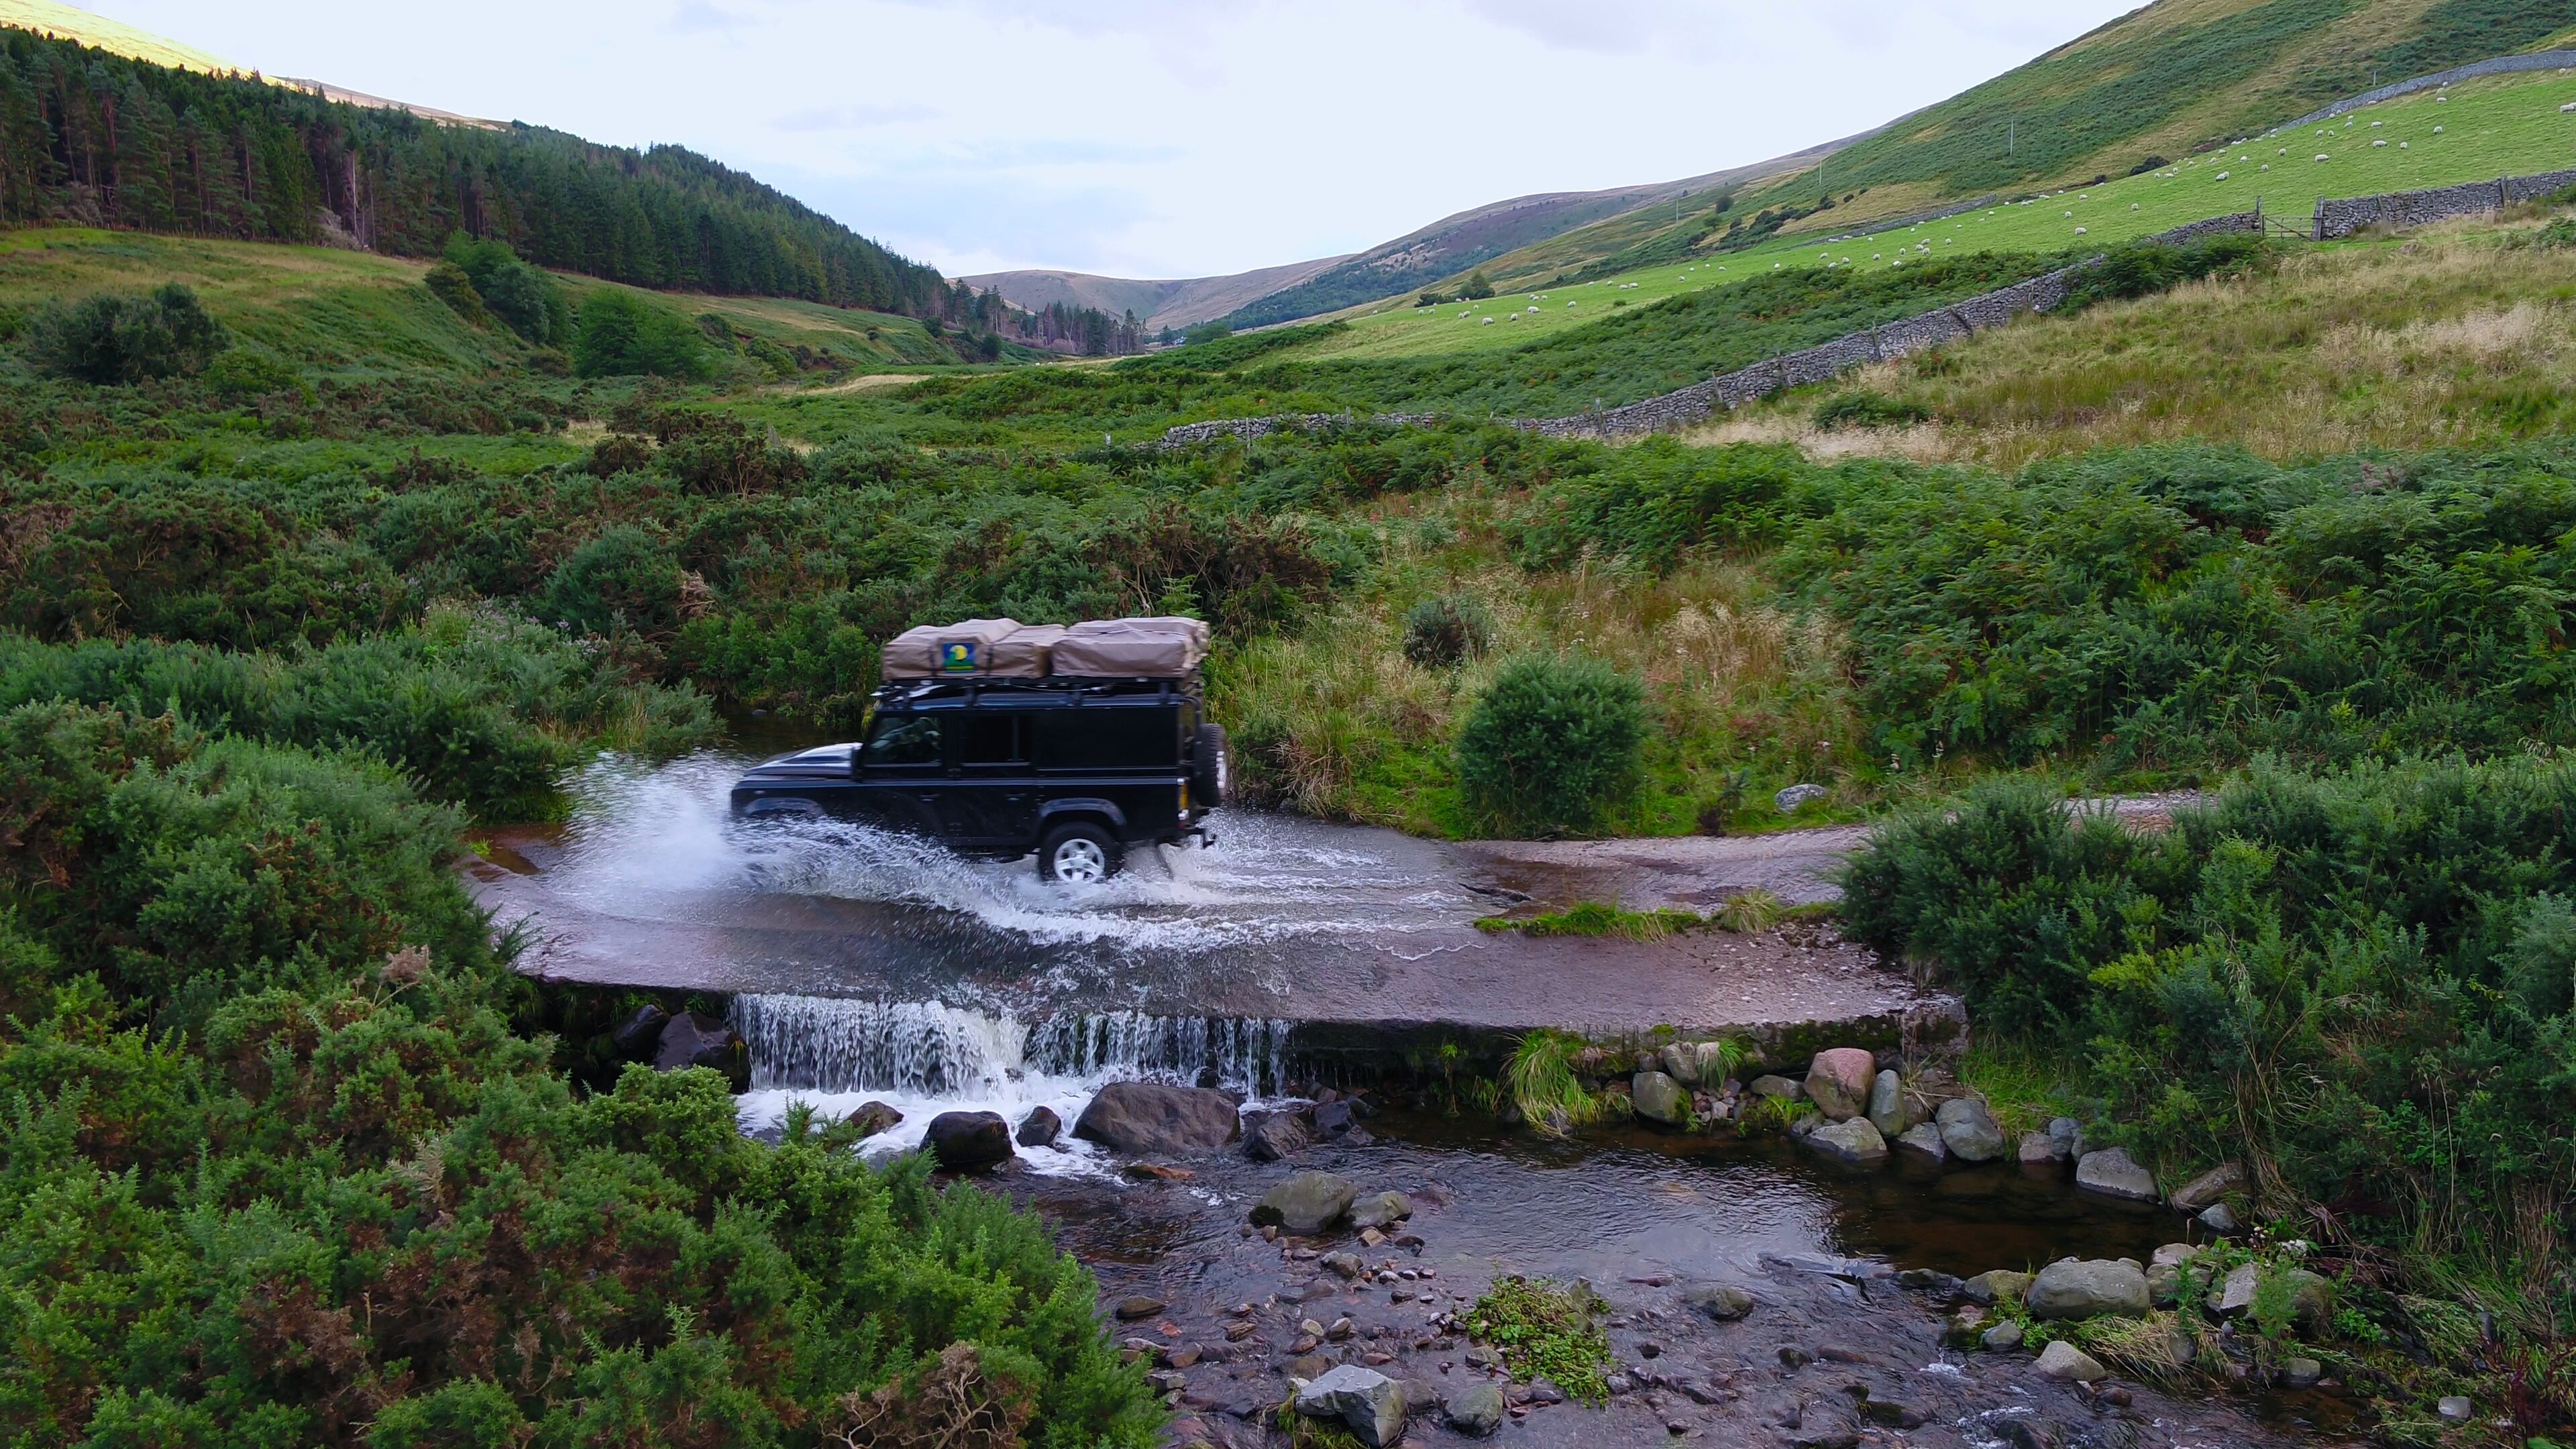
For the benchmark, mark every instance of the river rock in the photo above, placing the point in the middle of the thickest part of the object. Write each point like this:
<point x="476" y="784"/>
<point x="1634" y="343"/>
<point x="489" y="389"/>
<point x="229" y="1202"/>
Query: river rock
<point x="1339" y="1121"/>
<point x="2311" y="1299"/>
<point x="1922" y="1141"/>
<point x="1659" y="1098"/>
<point x="2208" y="1188"/>
<point x="2063" y="1360"/>
<point x="2111" y="1173"/>
<point x="873" y="1118"/>
<point x="2039" y="1150"/>
<point x="2301" y="1373"/>
<point x="1306" y="1204"/>
<point x="1133" y="1310"/>
<point x="1780" y="1087"/>
<point x="1996" y="1285"/>
<point x="1040" y="1128"/>
<point x="695" y="1039"/>
<point x="1722" y="1301"/>
<point x="1379" y="1209"/>
<point x="1854" y="1141"/>
<point x="1476" y="1410"/>
<point x="964" y="1141"/>
<point x="2004" y="1337"/>
<point x="1838" y="1082"/>
<point x="1691" y="1063"/>
<point x="1273" y="1136"/>
<point x="1156" y="1118"/>
<point x="2164" y="1271"/>
<point x="1969" y="1130"/>
<point x="1366" y="1400"/>
<point x="2068" y="1135"/>
<point x="639" y="1034"/>
<point x="2218" y="1219"/>
<point x="2456" y="1408"/>
<point x="1788" y="801"/>
<point x="1887" y="1105"/>
<point x="2088" y="1288"/>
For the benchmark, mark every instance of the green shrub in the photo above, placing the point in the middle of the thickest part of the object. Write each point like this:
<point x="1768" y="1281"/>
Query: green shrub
<point x="1547" y="1330"/>
<point x="2141" y="269"/>
<point x="449" y="284"/>
<point x="1553" y="743"/>
<point x="109" y="338"/>
<point x="1865" y="409"/>
<point x="623" y="581"/>
<point x="1447" y="629"/>
<point x="621" y="335"/>
<point x="245" y="374"/>
<point x="526" y="299"/>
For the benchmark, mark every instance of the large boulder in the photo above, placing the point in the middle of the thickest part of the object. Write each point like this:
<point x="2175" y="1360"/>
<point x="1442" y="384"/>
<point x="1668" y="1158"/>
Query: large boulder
<point x="1368" y="1402"/>
<point x="1839" y="1082"/>
<point x="2088" y="1288"/>
<point x="1476" y="1410"/>
<point x="1659" y="1098"/>
<point x="1040" y="1128"/>
<point x="1274" y="1136"/>
<point x="1854" y="1142"/>
<point x="964" y="1141"/>
<point x="1152" y="1117"/>
<point x="2111" y="1173"/>
<point x="1780" y="1087"/>
<point x="1306" y="1204"/>
<point x="1969" y="1130"/>
<point x="640" y="1033"/>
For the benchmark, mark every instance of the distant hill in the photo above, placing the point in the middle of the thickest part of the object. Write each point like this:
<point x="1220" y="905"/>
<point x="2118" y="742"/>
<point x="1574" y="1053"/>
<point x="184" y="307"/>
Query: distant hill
<point x="65" y="22"/>
<point x="1173" y="304"/>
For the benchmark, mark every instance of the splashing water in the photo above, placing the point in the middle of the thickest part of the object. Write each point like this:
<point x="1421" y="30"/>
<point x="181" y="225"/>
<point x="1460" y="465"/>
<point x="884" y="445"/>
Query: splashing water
<point x="646" y="839"/>
<point x="924" y="1058"/>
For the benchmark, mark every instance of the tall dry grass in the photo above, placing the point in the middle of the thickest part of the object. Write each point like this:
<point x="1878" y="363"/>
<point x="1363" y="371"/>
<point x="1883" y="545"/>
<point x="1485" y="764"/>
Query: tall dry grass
<point x="2448" y="338"/>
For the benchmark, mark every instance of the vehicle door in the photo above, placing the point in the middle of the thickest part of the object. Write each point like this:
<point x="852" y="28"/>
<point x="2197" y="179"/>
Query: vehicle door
<point x="904" y="782"/>
<point x="1127" y="754"/>
<point x="996" y="793"/>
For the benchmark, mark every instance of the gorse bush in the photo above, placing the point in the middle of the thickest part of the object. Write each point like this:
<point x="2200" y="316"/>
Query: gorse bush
<point x="1866" y="409"/>
<point x="1447" y="629"/>
<point x="280" y="1171"/>
<point x="109" y="338"/>
<point x="2357" y="982"/>
<point x="525" y="298"/>
<point x="2141" y="269"/>
<point x="1552" y="743"/>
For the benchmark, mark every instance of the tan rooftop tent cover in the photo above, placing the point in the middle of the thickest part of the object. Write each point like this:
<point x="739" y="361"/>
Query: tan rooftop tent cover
<point x="1131" y="648"/>
<point x="1007" y="649"/>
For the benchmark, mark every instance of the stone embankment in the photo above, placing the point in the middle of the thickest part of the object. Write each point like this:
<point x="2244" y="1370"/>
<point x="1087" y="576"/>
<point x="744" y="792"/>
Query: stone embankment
<point x="2341" y="218"/>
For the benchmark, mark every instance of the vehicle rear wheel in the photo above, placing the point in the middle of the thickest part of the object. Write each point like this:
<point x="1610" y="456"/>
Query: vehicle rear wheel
<point x="1078" y="854"/>
<point x="1208" y="780"/>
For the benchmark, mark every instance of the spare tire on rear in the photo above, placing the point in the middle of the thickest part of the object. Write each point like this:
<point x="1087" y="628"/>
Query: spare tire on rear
<point x="1207" y="767"/>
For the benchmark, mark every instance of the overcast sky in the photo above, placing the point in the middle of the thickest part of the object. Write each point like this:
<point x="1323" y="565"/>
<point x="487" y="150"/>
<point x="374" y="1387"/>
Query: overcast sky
<point x="1156" y="138"/>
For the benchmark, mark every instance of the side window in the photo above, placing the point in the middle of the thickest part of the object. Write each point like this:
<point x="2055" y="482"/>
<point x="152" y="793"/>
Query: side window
<point x="993" y="739"/>
<point x="1108" y="739"/>
<point x="908" y="740"/>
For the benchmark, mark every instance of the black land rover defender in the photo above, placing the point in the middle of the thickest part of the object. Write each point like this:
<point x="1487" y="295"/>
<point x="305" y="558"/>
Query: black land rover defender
<point x="1076" y="769"/>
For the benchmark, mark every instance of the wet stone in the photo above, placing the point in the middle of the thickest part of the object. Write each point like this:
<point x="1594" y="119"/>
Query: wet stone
<point x="1129" y="1310"/>
<point x="1038" y="1129"/>
<point x="2111" y="1173"/>
<point x="1724" y="1302"/>
<point x="1378" y="1209"/>
<point x="1306" y="1203"/>
<point x="964" y="1141"/>
<point x="1475" y="1411"/>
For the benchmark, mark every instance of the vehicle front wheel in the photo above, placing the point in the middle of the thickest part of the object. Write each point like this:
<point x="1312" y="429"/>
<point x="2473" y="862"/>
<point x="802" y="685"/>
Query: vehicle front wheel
<point x="1077" y="854"/>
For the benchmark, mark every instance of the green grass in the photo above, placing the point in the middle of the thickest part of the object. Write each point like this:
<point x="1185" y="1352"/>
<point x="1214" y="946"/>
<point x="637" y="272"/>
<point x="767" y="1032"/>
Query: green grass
<point x="1547" y="1330"/>
<point x="2500" y="127"/>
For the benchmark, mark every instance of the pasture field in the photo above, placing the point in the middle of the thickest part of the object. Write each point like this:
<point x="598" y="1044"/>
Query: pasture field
<point x="2505" y="126"/>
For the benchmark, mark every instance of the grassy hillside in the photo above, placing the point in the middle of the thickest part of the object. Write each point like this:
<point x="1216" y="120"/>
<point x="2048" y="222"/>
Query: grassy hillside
<point x="2504" y="126"/>
<point x="52" y="17"/>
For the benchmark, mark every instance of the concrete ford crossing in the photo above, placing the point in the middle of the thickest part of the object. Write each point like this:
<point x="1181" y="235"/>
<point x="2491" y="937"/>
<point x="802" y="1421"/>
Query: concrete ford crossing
<point x="1000" y="738"/>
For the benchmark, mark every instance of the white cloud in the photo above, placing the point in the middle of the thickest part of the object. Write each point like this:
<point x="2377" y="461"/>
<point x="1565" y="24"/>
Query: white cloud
<point x="1159" y="137"/>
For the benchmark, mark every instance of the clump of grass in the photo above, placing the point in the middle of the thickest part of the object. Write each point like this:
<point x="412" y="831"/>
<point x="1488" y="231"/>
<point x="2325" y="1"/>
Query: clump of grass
<point x="1544" y="1089"/>
<point x="1592" y="918"/>
<point x="1747" y="912"/>
<point x="1545" y="1329"/>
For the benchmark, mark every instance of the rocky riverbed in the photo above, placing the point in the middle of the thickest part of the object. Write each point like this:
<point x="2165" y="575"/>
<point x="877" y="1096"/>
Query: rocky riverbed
<point x="1831" y="1346"/>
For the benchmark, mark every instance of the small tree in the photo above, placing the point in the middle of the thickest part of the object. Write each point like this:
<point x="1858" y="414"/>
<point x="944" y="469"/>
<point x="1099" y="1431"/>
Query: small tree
<point x="1478" y="288"/>
<point x="622" y="335"/>
<point x="108" y="338"/>
<point x="1553" y="743"/>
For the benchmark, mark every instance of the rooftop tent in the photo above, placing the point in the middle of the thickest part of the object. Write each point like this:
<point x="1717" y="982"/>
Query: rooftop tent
<point x="935" y="651"/>
<point x="1025" y="653"/>
<point x="1131" y="649"/>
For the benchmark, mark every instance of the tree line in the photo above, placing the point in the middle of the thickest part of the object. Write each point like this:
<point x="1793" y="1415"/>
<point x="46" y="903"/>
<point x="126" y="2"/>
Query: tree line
<point x="87" y="137"/>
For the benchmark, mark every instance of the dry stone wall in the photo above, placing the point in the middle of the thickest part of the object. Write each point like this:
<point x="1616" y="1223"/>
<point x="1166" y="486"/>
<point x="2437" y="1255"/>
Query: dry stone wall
<point x="2500" y="65"/>
<point x="1702" y="401"/>
<point x="2419" y="208"/>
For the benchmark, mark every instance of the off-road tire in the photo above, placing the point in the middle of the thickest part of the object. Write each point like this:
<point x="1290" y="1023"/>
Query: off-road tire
<point x="1078" y="854"/>
<point x="1208" y="770"/>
